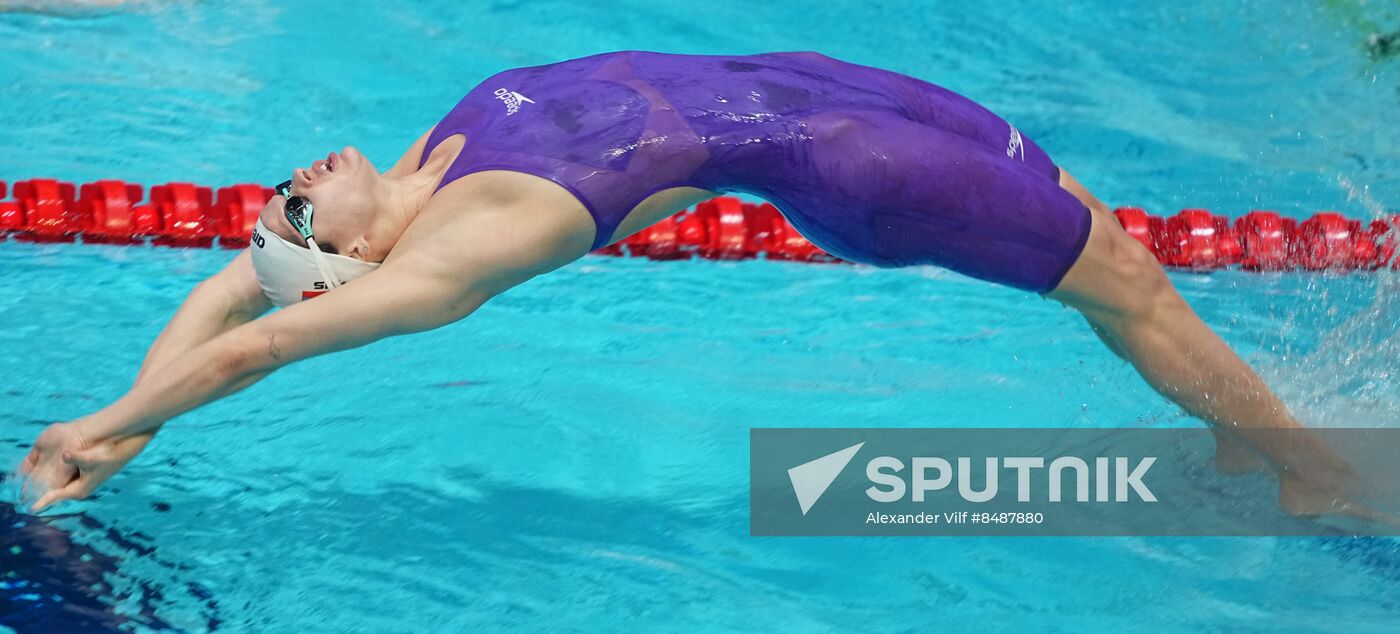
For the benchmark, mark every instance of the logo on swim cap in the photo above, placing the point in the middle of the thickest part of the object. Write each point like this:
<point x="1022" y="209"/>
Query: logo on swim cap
<point x="287" y="273"/>
<point x="512" y="100"/>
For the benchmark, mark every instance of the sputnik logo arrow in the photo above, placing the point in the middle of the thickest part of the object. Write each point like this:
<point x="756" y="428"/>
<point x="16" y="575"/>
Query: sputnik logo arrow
<point x="811" y="479"/>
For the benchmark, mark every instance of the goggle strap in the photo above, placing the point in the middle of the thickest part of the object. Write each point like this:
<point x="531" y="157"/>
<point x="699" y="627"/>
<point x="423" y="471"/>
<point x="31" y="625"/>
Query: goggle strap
<point x="322" y="265"/>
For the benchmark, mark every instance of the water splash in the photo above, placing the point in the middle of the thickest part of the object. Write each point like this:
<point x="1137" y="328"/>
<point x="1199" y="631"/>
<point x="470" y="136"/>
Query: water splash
<point x="1350" y="378"/>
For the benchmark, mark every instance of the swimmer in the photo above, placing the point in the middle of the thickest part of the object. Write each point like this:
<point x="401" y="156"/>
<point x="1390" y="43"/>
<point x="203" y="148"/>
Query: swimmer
<point x="535" y="167"/>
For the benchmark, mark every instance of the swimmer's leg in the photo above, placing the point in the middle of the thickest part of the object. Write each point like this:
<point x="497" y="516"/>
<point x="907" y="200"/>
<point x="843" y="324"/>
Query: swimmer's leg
<point x="1118" y="285"/>
<point x="1107" y="340"/>
<point x="1231" y="455"/>
<point x="1072" y="186"/>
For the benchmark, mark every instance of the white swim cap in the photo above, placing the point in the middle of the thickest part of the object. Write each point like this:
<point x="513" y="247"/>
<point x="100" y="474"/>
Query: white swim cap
<point x="289" y="273"/>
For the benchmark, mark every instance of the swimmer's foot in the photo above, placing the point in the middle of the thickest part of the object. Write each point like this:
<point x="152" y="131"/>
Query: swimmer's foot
<point x="1233" y="457"/>
<point x="1303" y="497"/>
<point x="1306" y="499"/>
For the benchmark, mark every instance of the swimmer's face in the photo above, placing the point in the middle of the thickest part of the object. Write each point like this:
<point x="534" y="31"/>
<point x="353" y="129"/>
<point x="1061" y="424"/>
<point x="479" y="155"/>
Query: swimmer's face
<point x="341" y="189"/>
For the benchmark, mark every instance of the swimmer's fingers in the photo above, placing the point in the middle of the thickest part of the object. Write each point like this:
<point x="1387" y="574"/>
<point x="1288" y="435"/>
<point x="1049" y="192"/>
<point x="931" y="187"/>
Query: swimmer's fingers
<point x="25" y="474"/>
<point x="104" y="459"/>
<point x="31" y="459"/>
<point x="89" y="459"/>
<point x="32" y="477"/>
<point x="93" y="467"/>
<point x="78" y="489"/>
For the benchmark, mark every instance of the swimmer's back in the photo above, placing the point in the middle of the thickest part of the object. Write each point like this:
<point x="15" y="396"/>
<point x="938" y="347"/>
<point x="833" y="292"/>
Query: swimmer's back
<point x="617" y="127"/>
<point x="868" y="164"/>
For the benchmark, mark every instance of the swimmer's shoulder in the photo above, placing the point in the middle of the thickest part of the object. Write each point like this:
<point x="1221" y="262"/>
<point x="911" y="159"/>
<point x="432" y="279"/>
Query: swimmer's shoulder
<point x="408" y="163"/>
<point x="498" y="228"/>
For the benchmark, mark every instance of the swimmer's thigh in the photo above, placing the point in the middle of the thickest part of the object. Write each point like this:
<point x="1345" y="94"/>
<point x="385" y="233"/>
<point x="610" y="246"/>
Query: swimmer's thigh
<point x="888" y="191"/>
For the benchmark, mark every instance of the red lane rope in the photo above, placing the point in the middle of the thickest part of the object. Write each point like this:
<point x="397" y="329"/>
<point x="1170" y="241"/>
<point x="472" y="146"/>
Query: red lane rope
<point x="188" y="215"/>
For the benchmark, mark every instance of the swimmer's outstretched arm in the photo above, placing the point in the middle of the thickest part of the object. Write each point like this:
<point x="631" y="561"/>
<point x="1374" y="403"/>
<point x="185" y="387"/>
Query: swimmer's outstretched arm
<point x="443" y="276"/>
<point x="383" y="303"/>
<point x="228" y="299"/>
<point x="220" y="303"/>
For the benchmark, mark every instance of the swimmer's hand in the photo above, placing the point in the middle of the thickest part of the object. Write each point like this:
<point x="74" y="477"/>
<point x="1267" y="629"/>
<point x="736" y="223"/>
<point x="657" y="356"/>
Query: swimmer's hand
<point x="63" y="465"/>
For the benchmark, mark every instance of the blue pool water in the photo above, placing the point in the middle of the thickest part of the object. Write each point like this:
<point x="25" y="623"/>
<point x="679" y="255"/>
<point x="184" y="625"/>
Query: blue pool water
<point x="574" y="456"/>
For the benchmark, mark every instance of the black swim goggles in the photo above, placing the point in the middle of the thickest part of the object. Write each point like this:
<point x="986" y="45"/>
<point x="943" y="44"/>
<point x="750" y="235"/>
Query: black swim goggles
<point x="298" y="212"/>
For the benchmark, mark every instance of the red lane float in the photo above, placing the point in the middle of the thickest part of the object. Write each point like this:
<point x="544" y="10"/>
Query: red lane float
<point x="1191" y="241"/>
<point x="1228" y="248"/>
<point x="47" y="212"/>
<point x="236" y="211"/>
<point x="1324" y="242"/>
<point x="720" y="229"/>
<point x="1384" y="234"/>
<point x="765" y="226"/>
<point x="1136" y="223"/>
<point x="658" y="242"/>
<point x="9" y="212"/>
<point x="106" y="211"/>
<point x="1265" y="240"/>
<point x="189" y="215"/>
<point x="728" y="229"/>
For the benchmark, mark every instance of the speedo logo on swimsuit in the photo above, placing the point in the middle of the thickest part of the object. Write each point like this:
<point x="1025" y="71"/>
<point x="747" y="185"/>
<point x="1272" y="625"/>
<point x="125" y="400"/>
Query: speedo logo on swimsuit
<point x="1015" y="145"/>
<point x="512" y="100"/>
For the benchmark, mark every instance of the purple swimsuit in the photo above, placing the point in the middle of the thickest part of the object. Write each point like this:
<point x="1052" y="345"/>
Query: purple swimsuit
<point x="872" y="166"/>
